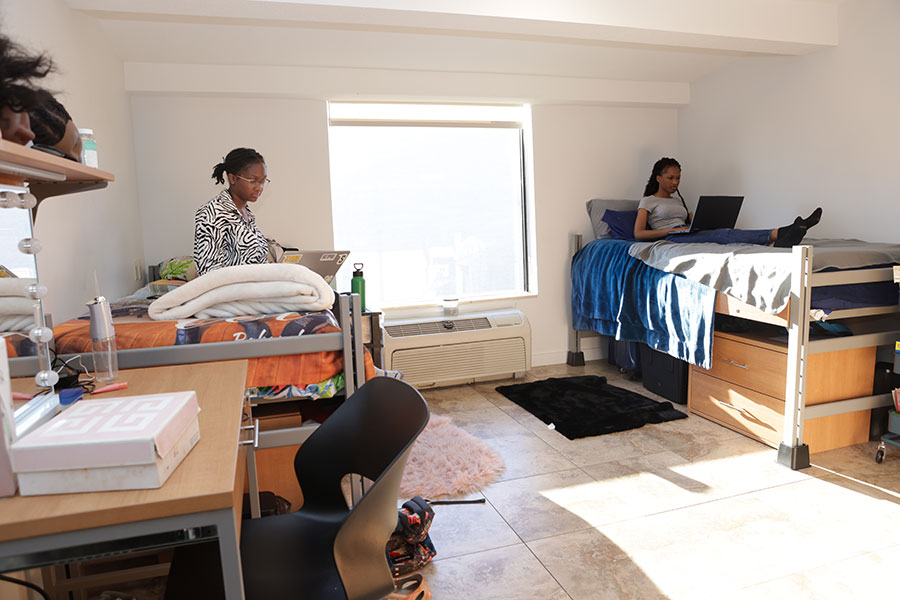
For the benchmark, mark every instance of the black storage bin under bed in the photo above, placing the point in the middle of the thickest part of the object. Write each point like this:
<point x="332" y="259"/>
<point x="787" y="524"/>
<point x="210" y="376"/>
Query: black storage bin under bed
<point x="664" y="375"/>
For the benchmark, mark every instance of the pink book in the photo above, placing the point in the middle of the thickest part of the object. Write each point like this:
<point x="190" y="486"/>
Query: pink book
<point x="132" y="430"/>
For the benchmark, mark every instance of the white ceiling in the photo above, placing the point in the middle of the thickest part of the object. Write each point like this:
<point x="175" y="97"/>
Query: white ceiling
<point x="656" y="41"/>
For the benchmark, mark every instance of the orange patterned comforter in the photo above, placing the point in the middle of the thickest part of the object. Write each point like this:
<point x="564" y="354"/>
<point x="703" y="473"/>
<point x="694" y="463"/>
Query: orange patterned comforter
<point x="134" y="329"/>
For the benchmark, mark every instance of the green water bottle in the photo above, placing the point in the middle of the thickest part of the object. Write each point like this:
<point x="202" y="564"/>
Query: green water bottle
<point x="358" y="284"/>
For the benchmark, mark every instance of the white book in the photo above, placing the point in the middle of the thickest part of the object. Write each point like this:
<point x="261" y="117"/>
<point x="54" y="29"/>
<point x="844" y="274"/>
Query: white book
<point x="110" y="432"/>
<point x="127" y="477"/>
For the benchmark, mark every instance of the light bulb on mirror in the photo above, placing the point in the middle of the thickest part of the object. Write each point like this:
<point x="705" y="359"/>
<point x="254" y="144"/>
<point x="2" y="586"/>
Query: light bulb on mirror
<point x="36" y="291"/>
<point x="46" y="378"/>
<point x="27" y="201"/>
<point x="9" y="200"/>
<point x="40" y="335"/>
<point x="30" y="246"/>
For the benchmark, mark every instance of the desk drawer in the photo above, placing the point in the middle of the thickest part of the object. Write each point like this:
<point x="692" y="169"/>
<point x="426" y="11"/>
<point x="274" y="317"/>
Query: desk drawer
<point x="749" y="366"/>
<point x="738" y="408"/>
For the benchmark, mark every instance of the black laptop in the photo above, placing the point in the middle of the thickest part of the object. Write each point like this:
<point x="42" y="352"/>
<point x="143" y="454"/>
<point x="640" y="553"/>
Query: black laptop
<point x="715" y="212"/>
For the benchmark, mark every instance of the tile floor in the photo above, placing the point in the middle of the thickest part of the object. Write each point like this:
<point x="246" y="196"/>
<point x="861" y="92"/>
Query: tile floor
<point x="686" y="509"/>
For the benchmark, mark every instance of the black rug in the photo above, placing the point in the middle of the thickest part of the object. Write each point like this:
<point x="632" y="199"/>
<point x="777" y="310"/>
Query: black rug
<point x="584" y="406"/>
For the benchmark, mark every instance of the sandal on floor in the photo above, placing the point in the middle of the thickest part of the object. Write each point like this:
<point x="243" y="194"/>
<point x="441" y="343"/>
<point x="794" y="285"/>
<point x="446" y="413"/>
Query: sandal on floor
<point x="410" y="588"/>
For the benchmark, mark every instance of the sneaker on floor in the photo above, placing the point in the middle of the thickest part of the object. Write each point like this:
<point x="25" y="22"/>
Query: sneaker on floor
<point x="388" y="373"/>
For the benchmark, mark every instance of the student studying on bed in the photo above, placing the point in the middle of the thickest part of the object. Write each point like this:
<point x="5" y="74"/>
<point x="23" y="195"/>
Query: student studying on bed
<point x="225" y="231"/>
<point x="661" y="216"/>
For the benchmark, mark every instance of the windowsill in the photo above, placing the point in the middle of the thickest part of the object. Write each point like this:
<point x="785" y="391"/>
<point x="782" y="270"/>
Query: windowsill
<point x="465" y="307"/>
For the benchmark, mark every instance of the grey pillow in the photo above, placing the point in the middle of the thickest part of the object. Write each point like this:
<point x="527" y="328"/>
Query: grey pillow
<point x="597" y="206"/>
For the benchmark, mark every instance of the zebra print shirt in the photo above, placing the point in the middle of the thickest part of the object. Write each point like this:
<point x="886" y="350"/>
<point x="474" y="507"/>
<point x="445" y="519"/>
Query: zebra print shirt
<point x="222" y="238"/>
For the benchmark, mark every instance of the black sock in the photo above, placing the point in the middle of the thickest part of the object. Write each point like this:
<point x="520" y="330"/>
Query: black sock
<point x="790" y="235"/>
<point x="812" y="219"/>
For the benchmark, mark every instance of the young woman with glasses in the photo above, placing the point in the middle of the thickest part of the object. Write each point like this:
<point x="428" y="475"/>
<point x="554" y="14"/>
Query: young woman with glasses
<point x="225" y="231"/>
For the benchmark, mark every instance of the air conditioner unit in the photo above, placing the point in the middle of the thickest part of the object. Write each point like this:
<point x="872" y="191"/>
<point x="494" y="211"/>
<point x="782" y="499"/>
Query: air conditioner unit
<point x="454" y="350"/>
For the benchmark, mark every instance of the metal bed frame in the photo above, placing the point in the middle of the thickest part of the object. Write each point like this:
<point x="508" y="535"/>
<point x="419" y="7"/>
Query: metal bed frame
<point x="348" y="340"/>
<point x="792" y="452"/>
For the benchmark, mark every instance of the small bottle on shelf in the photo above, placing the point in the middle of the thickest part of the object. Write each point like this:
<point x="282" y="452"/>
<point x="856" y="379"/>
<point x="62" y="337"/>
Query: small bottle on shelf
<point x="88" y="148"/>
<point x="103" y="338"/>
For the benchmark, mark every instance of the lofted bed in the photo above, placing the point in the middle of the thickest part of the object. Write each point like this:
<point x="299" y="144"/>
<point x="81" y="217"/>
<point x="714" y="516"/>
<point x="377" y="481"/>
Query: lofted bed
<point x="781" y="383"/>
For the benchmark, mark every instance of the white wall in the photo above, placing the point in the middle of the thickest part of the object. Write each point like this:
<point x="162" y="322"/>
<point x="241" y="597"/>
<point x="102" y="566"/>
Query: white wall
<point x="96" y="230"/>
<point x="580" y="152"/>
<point x="795" y="133"/>
<point x="179" y="139"/>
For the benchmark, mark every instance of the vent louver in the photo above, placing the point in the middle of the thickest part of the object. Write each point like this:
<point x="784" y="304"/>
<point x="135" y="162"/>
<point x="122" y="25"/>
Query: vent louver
<point x="434" y="327"/>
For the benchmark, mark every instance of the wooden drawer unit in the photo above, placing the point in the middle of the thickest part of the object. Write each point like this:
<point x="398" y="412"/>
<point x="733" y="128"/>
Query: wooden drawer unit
<point x="744" y="390"/>
<point x="757" y="415"/>
<point x="750" y="366"/>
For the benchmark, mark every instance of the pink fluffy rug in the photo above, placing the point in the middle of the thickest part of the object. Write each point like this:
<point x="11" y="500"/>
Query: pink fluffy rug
<point x="447" y="461"/>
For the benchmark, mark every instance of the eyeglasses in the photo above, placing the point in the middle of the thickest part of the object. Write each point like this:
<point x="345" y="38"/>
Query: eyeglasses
<point x="262" y="183"/>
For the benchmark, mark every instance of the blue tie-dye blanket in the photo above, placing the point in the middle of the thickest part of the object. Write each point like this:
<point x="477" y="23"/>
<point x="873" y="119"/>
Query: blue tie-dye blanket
<point x="617" y="295"/>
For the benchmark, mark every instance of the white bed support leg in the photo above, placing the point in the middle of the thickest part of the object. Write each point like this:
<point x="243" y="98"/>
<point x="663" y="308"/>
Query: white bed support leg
<point x="793" y="452"/>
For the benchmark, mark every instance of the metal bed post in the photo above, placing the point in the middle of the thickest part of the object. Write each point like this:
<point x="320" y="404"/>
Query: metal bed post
<point x="359" y="366"/>
<point x="793" y="452"/>
<point x="344" y="301"/>
<point x="575" y="356"/>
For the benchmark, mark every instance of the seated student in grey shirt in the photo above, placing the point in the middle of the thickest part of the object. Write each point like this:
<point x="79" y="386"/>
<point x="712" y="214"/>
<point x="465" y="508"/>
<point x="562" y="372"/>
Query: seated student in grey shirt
<point x="660" y="214"/>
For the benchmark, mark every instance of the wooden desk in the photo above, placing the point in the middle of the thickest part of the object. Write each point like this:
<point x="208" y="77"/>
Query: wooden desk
<point x="201" y="499"/>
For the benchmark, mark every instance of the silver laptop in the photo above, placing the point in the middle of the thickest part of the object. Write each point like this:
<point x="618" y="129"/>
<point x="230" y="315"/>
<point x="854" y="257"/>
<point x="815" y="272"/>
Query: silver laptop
<point x="324" y="262"/>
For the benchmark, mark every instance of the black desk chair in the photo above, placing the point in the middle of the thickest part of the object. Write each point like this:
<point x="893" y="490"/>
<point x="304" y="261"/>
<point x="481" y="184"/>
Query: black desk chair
<point x="325" y="549"/>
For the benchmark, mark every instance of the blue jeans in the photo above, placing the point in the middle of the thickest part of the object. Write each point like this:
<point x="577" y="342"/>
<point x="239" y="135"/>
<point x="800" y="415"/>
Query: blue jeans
<point x="724" y="236"/>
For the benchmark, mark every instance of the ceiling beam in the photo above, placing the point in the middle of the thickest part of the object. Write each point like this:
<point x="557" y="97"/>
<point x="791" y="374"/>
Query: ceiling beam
<point x="333" y="83"/>
<point x="789" y="27"/>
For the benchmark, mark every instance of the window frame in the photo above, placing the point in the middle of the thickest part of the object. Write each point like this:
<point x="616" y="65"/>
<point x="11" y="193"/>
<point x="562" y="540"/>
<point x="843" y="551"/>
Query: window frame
<point x="526" y="180"/>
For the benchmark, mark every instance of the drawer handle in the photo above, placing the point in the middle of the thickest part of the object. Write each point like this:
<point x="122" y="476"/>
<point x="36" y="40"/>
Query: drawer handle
<point x="253" y="440"/>
<point x="734" y="364"/>
<point x="732" y="406"/>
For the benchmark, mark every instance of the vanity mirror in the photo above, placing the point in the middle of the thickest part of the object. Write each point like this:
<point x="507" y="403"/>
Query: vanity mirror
<point x="21" y="312"/>
<point x="15" y="225"/>
<point x="18" y="271"/>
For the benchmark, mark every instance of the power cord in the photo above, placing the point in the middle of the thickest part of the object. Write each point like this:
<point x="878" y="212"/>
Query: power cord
<point x="27" y="584"/>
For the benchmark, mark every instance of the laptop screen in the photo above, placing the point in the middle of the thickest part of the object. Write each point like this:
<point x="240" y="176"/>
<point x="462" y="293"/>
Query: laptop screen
<point x="324" y="262"/>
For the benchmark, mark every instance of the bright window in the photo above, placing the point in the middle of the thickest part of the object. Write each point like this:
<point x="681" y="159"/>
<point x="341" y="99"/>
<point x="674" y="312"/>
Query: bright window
<point x="431" y="199"/>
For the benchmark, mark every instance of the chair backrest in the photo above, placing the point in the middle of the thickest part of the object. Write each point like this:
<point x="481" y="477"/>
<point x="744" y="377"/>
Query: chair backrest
<point x="370" y="434"/>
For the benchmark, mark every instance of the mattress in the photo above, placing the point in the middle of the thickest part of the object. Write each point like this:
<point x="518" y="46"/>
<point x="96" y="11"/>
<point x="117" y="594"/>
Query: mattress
<point x="761" y="276"/>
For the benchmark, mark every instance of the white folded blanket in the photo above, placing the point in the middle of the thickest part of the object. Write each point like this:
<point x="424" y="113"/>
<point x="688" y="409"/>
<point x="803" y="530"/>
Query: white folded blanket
<point x="16" y="322"/>
<point x="269" y="288"/>
<point x="14" y="286"/>
<point x="16" y="309"/>
<point x="12" y="305"/>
